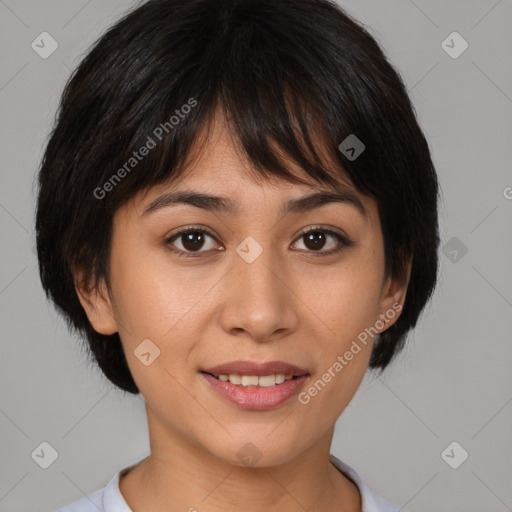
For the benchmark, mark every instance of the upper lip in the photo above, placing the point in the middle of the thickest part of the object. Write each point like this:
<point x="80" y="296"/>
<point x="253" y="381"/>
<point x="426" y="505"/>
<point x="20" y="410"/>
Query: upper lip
<point x="245" y="367"/>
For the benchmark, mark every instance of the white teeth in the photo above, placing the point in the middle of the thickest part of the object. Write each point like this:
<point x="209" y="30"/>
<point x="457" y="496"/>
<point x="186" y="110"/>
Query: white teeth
<point x="267" y="380"/>
<point x="249" y="380"/>
<point x="235" y="379"/>
<point x="254" y="380"/>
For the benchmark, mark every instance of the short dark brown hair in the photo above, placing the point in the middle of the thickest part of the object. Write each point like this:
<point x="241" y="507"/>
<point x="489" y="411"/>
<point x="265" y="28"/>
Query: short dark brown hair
<point x="283" y="72"/>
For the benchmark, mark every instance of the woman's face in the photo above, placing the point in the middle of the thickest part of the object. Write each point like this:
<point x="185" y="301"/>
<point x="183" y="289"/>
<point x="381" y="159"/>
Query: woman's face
<point x="254" y="288"/>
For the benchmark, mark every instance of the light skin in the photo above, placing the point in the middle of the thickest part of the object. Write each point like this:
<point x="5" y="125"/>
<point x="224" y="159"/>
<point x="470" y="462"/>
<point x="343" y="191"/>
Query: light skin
<point x="291" y="304"/>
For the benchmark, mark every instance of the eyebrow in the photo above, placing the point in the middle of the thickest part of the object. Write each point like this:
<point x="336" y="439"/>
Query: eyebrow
<point x="226" y="205"/>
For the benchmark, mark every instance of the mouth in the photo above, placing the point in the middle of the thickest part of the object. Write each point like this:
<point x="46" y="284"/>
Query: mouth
<point x="256" y="386"/>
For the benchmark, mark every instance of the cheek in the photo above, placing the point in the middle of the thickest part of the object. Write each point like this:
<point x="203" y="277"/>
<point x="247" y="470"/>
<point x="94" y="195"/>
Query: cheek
<point x="160" y="302"/>
<point x="346" y="299"/>
<point x="347" y="304"/>
<point x="152" y="295"/>
<point x="343" y="355"/>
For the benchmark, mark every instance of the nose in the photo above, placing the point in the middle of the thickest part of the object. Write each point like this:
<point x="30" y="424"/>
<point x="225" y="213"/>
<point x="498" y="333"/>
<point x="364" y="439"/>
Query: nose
<point x="259" y="301"/>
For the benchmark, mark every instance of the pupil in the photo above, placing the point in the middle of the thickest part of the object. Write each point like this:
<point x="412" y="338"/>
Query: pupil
<point x="190" y="243"/>
<point x="317" y="238"/>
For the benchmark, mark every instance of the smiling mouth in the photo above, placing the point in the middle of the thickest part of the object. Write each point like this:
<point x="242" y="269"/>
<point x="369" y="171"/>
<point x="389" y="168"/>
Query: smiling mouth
<point x="256" y="386"/>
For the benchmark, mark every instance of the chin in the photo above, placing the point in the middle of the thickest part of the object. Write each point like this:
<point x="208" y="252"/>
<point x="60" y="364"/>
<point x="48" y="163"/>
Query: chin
<point x="259" y="450"/>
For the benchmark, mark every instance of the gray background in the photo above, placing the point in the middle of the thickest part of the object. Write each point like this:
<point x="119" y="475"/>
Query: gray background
<point x="453" y="381"/>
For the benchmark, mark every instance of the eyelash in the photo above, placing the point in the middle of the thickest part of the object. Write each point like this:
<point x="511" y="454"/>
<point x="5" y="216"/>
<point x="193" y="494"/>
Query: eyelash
<point x="344" y="241"/>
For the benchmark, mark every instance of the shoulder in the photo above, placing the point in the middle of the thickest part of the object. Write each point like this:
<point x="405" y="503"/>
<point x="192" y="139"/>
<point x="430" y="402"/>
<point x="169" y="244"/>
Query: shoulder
<point x="91" y="503"/>
<point x="108" y="499"/>
<point x="371" y="502"/>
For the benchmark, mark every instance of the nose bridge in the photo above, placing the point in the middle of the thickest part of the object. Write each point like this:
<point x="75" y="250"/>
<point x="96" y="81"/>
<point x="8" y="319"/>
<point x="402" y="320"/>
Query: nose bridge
<point x="258" y="300"/>
<point x="254" y="268"/>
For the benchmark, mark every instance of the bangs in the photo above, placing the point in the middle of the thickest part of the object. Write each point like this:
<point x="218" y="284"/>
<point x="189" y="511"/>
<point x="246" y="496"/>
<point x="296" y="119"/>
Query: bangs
<point x="286" y="136"/>
<point x="279" y="102"/>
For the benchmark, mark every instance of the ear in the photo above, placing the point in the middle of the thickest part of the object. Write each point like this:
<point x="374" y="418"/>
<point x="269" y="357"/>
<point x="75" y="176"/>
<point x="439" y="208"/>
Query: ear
<point x="393" y="296"/>
<point x="96" y="303"/>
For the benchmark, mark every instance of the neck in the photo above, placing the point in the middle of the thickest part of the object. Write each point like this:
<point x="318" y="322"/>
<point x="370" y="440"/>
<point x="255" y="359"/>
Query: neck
<point x="193" y="479"/>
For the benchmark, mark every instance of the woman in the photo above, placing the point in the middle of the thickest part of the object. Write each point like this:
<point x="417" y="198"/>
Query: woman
<point x="238" y="211"/>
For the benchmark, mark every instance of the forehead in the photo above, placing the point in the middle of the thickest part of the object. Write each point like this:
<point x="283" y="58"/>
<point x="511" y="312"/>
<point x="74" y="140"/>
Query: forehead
<point x="218" y="166"/>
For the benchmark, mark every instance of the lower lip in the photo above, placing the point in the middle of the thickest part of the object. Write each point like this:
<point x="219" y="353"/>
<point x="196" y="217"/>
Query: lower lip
<point x="256" y="398"/>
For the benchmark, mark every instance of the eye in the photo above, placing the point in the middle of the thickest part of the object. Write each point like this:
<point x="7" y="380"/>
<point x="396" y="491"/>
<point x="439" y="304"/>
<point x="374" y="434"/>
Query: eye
<point x="191" y="240"/>
<point x="316" y="238"/>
